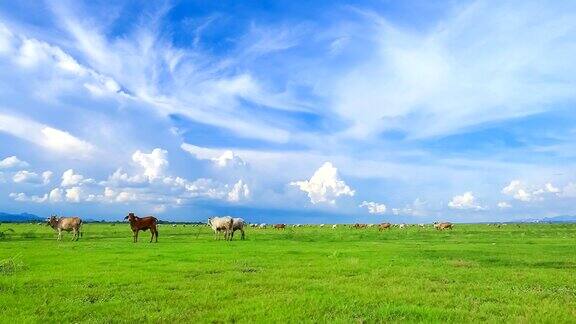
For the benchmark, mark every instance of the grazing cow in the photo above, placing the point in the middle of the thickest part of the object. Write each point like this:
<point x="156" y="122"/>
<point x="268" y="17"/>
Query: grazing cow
<point x="357" y="225"/>
<point x="263" y="225"/>
<point x="322" y="225"/>
<point x="67" y="224"/>
<point x="401" y="226"/>
<point x="443" y="226"/>
<point x="334" y="226"/>
<point x="237" y="225"/>
<point x="220" y="224"/>
<point x="280" y="226"/>
<point x="384" y="226"/>
<point x="143" y="224"/>
<point x="421" y="225"/>
<point x="370" y="225"/>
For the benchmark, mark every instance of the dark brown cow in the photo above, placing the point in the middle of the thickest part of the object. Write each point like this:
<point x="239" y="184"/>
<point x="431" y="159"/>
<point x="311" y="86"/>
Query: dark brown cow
<point x="142" y="224"/>
<point x="357" y="225"/>
<point x="280" y="226"/>
<point x="384" y="226"/>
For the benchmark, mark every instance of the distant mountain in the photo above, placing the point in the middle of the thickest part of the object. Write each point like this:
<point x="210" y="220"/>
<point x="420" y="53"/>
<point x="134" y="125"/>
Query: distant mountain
<point x="555" y="219"/>
<point x="19" y="218"/>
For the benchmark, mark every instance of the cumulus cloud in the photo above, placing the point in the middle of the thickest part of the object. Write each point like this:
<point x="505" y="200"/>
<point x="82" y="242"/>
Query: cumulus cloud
<point x="520" y="191"/>
<point x="24" y="176"/>
<point x="373" y="207"/>
<point x="46" y="177"/>
<point x="153" y="163"/>
<point x="228" y="159"/>
<point x="465" y="201"/>
<point x="325" y="185"/>
<point x="240" y="191"/>
<point x="220" y="158"/>
<point x="12" y="162"/>
<point x="73" y="194"/>
<point x="56" y="195"/>
<point x="69" y="179"/>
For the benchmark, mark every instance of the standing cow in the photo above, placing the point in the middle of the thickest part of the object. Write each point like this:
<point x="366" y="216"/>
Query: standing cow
<point x="384" y="226"/>
<point x="142" y="224"/>
<point x="443" y="226"/>
<point x="237" y="225"/>
<point x="220" y="224"/>
<point x="67" y="224"/>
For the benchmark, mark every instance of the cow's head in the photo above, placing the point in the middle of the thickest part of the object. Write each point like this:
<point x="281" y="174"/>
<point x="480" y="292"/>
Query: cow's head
<point x="130" y="216"/>
<point x="52" y="220"/>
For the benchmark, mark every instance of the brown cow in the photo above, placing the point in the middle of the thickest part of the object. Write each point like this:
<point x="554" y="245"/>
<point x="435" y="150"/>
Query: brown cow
<point x="357" y="225"/>
<point x="443" y="226"/>
<point x="384" y="226"/>
<point x="142" y="224"/>
<point x="67" y="224"/>
<point x="280" y="226"/>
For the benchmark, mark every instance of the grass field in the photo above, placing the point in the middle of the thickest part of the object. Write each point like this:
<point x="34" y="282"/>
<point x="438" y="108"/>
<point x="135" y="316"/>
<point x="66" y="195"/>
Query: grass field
<point x="524" y="273"/>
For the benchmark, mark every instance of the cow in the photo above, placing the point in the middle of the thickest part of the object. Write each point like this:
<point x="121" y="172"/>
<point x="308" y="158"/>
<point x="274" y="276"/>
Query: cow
<point x="402" y="226"/>
<point x="67" y="224"/>
<point x="334" y="226"/>
<point x="263" y="225"/>
<point x="143" y="224"/>
<point x="384" y="226"/>
<point x="238" y="225"/>
<point x="280" y="226"/>
<point x="443" y="226"/>
<point x="357" y="225"/>
<point x="220" y="224"/>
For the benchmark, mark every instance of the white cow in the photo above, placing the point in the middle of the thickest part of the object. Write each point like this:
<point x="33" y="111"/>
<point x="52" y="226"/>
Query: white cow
<point x="220" y="224"/>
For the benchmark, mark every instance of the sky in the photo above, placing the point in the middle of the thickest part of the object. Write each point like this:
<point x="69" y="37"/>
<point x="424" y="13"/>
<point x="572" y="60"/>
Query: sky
<point x="289" y="111"/>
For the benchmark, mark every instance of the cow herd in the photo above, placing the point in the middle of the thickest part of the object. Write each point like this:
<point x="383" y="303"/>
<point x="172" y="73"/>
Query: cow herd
<point x="226" y="225"/>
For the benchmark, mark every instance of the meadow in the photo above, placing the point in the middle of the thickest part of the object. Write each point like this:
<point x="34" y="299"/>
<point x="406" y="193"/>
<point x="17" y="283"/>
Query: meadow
<point x="474" y="273"/>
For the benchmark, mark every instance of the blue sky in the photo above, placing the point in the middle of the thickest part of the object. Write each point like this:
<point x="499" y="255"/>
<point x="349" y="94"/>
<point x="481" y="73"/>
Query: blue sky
<point x="287" y="111"/>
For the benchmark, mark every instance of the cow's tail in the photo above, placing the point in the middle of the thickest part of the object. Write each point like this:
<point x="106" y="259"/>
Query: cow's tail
<point x="80" y="229"/>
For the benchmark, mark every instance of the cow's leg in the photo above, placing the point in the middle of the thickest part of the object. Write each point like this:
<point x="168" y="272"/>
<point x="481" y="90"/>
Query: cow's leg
<point x="242" y="233"/>
<point x="231" y="236"/>
<point x="135" y="236"/>
<point x="73" y="235"/>
<point x="59" y="234"/>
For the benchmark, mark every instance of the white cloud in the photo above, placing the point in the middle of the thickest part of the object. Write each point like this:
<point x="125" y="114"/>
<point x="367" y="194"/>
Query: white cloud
<point x="69" y="179"/>
<point x="465" y="201"/>
<point x="550" y="188"/>
<point x="325" y="185"/>
<point x="22" y="197"/>
<point x="373" y="207"/>
<point x="55" y="195"/>
<point x="53" y="139"/>
<point x="154" y="163"/>
<point x="73" y="194"/>
<point x="12" y="162"/>
<point x="62" y="141"/>
<point x="46" y="177"/>
<point x="240" y="191"/>
<point x="522" y="192"/>
<point x="25" y="176"/>
<point x="220" y="157"/>
<point x="228" y="159"/>
<point x="483" y="62"/>
<point x="504" y="205"/>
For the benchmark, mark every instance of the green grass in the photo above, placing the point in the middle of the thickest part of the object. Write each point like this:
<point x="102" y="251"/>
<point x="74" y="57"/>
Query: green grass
<point x="473" y="273"/>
